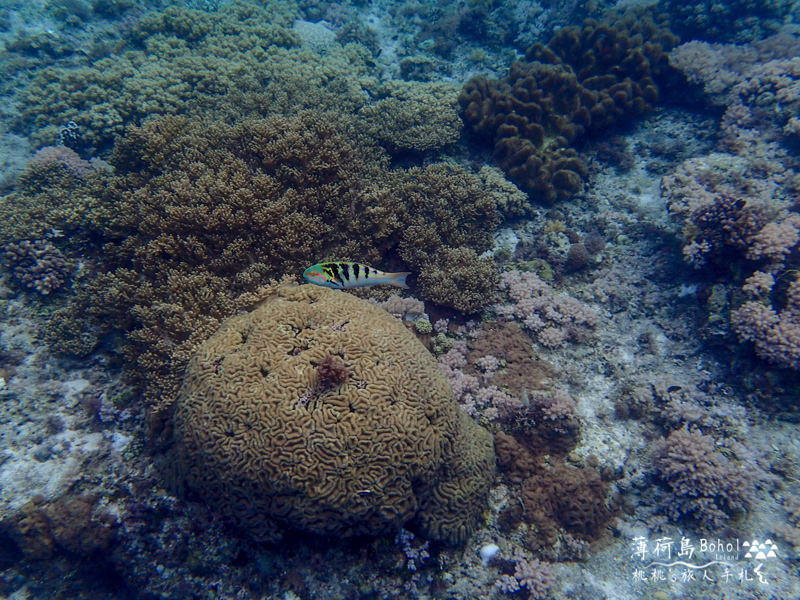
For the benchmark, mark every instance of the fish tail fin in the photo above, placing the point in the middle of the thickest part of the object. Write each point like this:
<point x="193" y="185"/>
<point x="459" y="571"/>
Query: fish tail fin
<point x="399" y="279"/>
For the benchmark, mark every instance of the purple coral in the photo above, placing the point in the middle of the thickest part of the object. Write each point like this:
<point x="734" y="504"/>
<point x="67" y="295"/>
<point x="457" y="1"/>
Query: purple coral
<point x="775" y="333"/>
<point x="552" y="317"/>
<point x="61" y="155"/>
<point x="415" y="551"/>
<point x="705" y="485"/>
<point x="474" y="394"/>
<point x="532" y="575"/>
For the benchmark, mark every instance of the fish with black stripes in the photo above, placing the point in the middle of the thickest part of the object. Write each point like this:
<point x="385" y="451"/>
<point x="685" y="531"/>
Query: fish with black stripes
<point x="344" y="275"/>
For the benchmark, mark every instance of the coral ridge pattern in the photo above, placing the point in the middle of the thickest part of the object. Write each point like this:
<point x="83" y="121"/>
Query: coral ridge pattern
<point x="263" y="442"/>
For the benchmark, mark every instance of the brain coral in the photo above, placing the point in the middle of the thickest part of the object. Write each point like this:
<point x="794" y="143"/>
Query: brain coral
<point x="263" y="442"/>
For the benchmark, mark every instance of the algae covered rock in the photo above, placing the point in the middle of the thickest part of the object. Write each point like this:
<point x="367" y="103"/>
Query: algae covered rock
<point x="267" y="441"/>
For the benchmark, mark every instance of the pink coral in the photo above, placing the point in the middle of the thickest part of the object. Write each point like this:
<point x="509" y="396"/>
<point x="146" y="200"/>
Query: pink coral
<point x="554" y="317"/>
<point x="718" y="67"/>
<point x="762" y="105"/>
<point x="775" y="240"/>
<point x="758" y="284"/>
<point x="552" y="337"/>
<point x="62" y="155"/>
<point x="706" y="486"/>
<point x="741" y="207"/>
<point x="775" y="334"/>
<point x="475" y="396"/>
<point x="464" y="386"/>
<point x="533" y="575"/>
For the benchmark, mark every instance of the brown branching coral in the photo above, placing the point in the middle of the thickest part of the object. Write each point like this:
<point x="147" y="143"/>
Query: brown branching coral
<point x="457" y="276"/>
<point x="50" y="198"/>
<point x="584" y="81"/>
<point x="572" y="498"/>
<point x="184" y="62"/>
<point x="199" y="215"/>
<point x="384" y="447"/>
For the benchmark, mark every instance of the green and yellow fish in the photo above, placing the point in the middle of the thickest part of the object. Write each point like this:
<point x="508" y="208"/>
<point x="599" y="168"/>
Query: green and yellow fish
<point x="345" y="275"/>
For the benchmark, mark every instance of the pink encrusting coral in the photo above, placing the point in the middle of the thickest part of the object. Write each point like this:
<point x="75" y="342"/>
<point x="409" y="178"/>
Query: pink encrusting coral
<point x="553" y="318"/>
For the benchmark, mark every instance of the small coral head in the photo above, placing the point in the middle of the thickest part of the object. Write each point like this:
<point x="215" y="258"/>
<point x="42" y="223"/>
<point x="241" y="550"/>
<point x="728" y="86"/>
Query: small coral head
<point x="331" y="371"/>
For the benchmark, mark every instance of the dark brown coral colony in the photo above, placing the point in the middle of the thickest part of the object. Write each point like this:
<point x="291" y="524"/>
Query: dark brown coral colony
<point x="584" y="81"/>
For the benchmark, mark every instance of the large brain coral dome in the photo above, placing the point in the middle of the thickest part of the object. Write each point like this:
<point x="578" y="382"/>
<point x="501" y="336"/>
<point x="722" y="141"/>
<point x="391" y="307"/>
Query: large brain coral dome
<point x="264" y="441"/>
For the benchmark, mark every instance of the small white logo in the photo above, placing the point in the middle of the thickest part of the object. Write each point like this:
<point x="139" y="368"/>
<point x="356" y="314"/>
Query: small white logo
<point x="761" y="551"/>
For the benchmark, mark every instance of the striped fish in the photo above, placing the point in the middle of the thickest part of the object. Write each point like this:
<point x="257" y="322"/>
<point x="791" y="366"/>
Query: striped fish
<point x="351" y="275"/>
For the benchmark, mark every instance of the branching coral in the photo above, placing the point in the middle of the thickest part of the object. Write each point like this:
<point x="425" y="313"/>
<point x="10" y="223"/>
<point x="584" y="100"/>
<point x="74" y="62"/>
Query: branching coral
<point x="735" y="236"/>
<point x="739" y="209"/>
<point x="186" y="62"/>
<point x="553" y="318"/>
<point x="495" y="375"/>
<point x="38" y="265"/>
<point x="458" y="277"/>
<point x="724" y="227"/>
<point x="51" y="201"/>
<point x="243" y="60"/>
<point x="705" y="486"/>
<point x="197" y="216"/>
<point x="411" y="116"/>
<point x="764" y="107"/>
<point x="733" y="20"/>
<point x="775" y="333"/>
<point x="584" y="81"/>
<point x="532" y="575"/>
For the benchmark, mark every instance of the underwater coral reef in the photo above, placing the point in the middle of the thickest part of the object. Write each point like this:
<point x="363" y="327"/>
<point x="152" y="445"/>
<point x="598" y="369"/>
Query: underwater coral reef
<point x="585" y="386"/>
